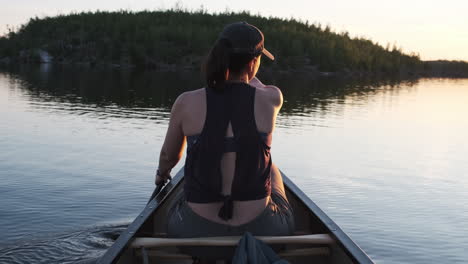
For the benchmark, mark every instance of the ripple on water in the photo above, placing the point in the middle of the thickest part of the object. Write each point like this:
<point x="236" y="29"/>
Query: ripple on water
<point x="84" y="246"/>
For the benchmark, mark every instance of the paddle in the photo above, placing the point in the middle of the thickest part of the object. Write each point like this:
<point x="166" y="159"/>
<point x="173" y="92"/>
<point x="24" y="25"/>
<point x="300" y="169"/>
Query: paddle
<point x="157" y="190"/>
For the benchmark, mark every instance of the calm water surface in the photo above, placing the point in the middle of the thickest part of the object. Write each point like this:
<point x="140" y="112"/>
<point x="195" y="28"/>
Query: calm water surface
<point x="386" y="160"/>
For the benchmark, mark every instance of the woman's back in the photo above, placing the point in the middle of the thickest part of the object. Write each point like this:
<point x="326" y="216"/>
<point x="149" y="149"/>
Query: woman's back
<point x="193" y="114"/>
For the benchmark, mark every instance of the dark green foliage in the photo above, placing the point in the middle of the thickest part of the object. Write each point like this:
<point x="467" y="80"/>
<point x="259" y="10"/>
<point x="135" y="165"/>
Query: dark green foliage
<point x="181" y="38"/>
<point x="446" y="68"/>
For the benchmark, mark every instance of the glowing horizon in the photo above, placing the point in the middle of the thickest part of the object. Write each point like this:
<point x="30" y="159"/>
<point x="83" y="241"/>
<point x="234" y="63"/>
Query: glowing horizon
<point x="434" y="30"/>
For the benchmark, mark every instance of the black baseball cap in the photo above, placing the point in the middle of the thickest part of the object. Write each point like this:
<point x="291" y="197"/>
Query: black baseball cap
<point x="245" y="39"/>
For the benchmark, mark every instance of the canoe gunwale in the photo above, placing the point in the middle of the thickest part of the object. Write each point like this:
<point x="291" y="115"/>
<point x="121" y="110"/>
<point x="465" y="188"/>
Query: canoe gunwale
<point x="350" y="248"/>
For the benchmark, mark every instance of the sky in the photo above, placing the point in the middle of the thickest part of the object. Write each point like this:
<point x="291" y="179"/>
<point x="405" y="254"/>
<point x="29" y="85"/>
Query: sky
<point x="433" y="29"/>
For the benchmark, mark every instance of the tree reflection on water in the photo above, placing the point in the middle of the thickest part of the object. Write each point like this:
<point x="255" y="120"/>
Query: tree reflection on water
<point x="124" y="88"/>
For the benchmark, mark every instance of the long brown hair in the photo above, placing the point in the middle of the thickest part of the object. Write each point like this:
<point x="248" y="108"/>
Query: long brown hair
<point x="221" y="61"/>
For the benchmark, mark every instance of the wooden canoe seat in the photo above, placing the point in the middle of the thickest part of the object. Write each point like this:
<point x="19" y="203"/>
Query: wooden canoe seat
<point x="149" y="245"/>
<point x="151" y="242"/>
<point x="301" y="252"/>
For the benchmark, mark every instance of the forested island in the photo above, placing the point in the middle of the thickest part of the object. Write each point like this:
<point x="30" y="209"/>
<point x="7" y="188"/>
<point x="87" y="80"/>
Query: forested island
<point x="178" y="39"/>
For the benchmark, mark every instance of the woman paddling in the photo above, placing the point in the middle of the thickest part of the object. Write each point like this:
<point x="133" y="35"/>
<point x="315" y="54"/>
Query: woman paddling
<point x="231" y="184"/>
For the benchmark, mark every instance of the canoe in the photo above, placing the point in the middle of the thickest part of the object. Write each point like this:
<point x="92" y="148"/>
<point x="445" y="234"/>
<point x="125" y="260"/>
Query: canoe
<point x="317" y="239"/>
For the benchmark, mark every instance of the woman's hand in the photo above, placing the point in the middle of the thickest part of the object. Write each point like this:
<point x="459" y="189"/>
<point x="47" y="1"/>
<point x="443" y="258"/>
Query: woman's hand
<point x="162" y="177"/>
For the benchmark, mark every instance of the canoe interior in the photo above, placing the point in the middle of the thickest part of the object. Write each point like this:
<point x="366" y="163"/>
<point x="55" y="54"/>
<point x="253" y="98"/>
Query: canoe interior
<point x="306" y="222"/>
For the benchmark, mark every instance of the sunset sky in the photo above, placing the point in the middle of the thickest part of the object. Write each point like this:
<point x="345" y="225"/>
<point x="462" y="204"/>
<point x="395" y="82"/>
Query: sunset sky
<point x="434" y="29"/>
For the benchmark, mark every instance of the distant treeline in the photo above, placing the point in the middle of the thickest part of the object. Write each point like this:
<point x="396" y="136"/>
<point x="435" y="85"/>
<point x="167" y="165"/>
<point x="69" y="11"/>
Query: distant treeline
<point x="443" y="68"/>
<point x="180" y="39"/>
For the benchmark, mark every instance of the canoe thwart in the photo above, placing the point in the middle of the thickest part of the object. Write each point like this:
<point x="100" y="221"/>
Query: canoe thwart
<point x="149" y="242"/>
<point x="284" y="254"/>
<point x="165" y="254"/>
<point x="304" y="252"/>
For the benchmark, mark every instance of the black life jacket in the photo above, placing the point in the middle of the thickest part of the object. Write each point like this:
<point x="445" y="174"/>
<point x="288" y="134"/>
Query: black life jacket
<point x="203" y="179"/>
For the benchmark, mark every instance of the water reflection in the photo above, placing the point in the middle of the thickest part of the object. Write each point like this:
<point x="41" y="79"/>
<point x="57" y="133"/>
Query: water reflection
<point x="379" y="156"/>
<point x="144" y="89"/>
<point x="80" y="90"/>
<point x="304" y="94"/>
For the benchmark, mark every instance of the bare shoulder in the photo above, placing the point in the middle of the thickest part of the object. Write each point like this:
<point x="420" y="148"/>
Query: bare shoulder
<point x="194" y="93"/>
<point x="188" y="98"/>
<point x="272" y="94"/>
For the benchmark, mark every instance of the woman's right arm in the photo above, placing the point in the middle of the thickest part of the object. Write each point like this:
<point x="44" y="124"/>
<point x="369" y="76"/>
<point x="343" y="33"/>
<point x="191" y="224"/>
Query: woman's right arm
<point x="172" y="149"/>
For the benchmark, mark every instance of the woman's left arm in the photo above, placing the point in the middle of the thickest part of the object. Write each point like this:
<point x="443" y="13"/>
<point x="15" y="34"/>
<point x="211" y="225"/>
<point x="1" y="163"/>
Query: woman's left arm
<point x="173" y="146"/>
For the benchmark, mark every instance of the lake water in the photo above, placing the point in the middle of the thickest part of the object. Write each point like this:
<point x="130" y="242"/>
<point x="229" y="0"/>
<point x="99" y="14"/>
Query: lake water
<point x="386" y="160"/>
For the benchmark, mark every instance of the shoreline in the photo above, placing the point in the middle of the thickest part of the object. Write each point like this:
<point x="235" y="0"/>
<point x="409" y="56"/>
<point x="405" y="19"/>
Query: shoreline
<point x="310" y="70"/>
